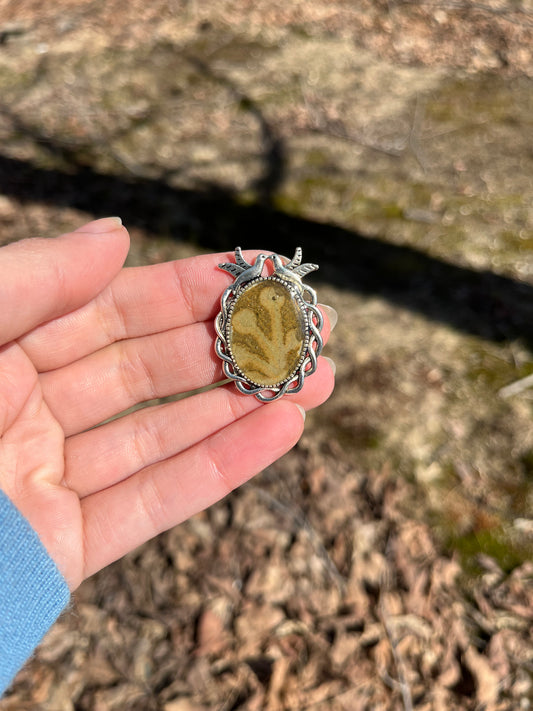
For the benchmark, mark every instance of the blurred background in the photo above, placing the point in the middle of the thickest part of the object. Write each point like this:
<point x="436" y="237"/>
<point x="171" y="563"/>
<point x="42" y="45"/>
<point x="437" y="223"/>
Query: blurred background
<point x="386" y="562"/>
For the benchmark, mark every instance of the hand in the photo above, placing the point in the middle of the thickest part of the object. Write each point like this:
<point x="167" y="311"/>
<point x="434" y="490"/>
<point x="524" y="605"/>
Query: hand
<point x="84" y="339"/>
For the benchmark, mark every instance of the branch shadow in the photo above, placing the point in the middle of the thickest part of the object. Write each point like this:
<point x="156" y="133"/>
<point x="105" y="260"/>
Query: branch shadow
<point x="480" y="303"/>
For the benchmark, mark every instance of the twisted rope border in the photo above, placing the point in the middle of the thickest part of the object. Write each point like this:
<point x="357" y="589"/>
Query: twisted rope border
<point x="309" y="364"/>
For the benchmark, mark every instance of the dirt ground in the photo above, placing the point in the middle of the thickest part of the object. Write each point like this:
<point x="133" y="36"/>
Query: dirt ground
<point x="386" y="562"/>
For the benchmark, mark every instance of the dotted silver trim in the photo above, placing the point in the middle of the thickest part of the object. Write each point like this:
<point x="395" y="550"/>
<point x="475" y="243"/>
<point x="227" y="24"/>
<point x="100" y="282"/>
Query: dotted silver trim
<point x="311" y="349"/>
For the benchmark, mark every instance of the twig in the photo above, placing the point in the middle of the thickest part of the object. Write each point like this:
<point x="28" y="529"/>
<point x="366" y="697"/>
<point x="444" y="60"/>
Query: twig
<point x="319" y="122"/>
<point x="353" y="138"/>
<point x="415" y="133"/>
<point x="398" y="661"/>
<point x="517" y="387"/>
<point x="301" y="522"/>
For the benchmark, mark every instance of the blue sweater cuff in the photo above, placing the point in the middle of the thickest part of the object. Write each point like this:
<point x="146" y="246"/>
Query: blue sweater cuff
<point x="33" y="592"/>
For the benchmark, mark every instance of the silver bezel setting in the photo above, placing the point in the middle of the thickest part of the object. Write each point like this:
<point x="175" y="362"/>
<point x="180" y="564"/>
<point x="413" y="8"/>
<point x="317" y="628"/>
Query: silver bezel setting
<point x="306" y="299"/>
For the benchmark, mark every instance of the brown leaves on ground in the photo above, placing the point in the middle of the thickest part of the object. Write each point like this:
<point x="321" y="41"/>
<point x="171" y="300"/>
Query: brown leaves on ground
<point x="305" y="593"/>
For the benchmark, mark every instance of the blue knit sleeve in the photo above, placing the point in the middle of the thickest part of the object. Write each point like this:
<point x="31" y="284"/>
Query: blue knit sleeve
<point x="32" y="591"/>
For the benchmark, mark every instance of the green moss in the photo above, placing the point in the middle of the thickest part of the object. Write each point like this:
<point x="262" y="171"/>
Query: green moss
<point x="355" y="437"/>
<point x="473" y="100"/>
<point x="292" y="205"/>
<point x="495" y="542"/>
<point x="312" y="192"/>
<point x="11" y="81"/>
<point x="391" y="211"/>
<point x="490" y="368"/>
<point x="317" y="158"/>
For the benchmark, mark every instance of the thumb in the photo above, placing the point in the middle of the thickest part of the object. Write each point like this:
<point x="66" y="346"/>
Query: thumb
<point x="41" y="278"/>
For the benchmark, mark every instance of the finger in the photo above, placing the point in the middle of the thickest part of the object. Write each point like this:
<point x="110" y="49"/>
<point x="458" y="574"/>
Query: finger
<point x="105" y="383"/>
<point x="17" y="381"/>
<point x="140" y="301"/>
<point x="125" y="515"/>
<point x="45" y="278"/>
<point x="118" y="449"/>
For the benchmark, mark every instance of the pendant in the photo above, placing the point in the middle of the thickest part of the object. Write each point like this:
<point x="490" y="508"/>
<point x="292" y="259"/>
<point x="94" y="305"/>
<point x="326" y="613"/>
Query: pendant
<point x="268" y="329"/>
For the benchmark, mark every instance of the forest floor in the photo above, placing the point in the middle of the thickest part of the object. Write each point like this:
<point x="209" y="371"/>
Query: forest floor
<point x="386" y="562"/>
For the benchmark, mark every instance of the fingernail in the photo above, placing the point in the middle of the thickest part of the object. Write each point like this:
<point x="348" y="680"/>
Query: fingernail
<point x="301" y="410"/>
<point x="105" y="224"/>
<point x="332" y="315"/>
<point x="331" y="364"/>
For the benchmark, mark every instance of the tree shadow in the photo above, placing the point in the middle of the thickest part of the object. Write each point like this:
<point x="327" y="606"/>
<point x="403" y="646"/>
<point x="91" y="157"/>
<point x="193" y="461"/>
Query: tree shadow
<point x="481" y="303"/>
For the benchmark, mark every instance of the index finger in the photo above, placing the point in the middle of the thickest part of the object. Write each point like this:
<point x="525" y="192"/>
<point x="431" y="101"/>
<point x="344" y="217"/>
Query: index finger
<point x="138" y="302"/>
<point x="42" y="279"/>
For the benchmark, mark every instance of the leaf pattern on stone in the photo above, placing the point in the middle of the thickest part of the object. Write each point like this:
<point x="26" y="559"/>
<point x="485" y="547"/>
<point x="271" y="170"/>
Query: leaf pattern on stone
<point x="267" y="333"/>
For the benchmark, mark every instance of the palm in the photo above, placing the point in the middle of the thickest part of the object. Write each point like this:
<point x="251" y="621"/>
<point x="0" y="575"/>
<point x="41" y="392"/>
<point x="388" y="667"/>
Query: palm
<point x="107" y="340"/>
<point x="32" y="462"/>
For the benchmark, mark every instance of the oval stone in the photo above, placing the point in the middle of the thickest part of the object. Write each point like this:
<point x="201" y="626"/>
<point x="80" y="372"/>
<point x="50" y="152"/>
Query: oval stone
<point x="267" y="332"/>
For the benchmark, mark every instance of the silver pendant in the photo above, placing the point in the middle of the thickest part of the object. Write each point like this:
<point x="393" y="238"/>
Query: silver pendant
<point x="268" y="329"/>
